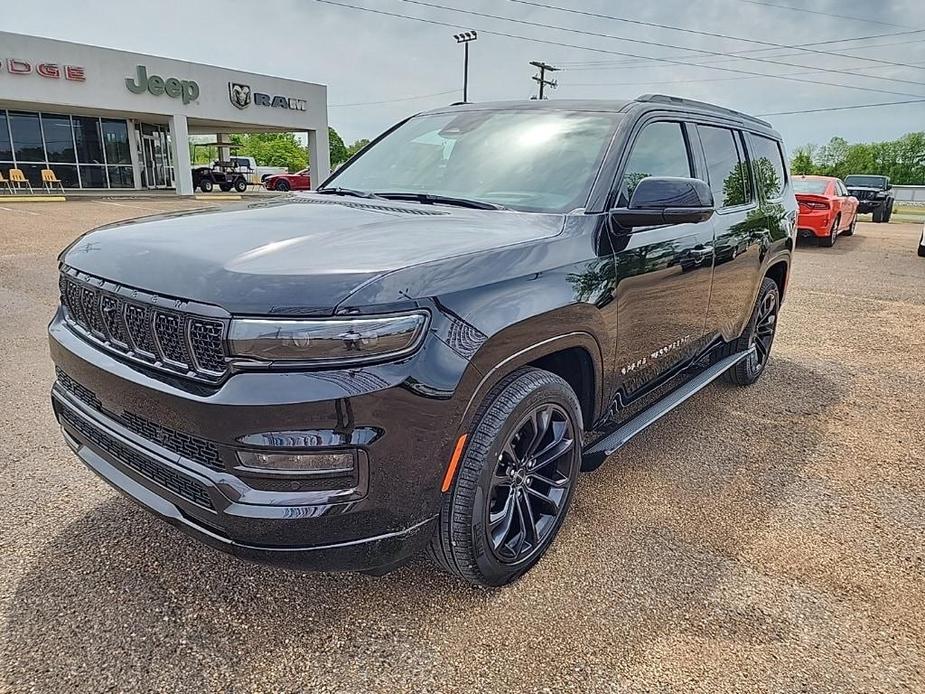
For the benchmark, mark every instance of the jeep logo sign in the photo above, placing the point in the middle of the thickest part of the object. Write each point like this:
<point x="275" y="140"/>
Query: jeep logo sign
<point x="187" y="90"/>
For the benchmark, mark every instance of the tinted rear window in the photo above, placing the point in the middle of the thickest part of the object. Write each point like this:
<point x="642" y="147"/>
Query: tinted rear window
<point x="809" y="185"/>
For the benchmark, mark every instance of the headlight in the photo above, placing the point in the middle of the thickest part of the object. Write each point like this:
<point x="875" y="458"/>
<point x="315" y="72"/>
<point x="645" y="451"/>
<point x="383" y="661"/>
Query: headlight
<point x="326" y="341"/>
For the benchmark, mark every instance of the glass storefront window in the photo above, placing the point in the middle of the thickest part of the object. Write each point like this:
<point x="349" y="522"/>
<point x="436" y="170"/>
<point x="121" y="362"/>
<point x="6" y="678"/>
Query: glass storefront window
<point x="59" y="139"/>
<point x="121" y="177"/>
<point x="89" y="142"/>
<point x="6" y="151"/>
<point x="27" y="136"/>
<point x="115" y="139"/>
<point x="93" y="176"/>
<point x="33" y="172"/>
<point x="66" y="173"/>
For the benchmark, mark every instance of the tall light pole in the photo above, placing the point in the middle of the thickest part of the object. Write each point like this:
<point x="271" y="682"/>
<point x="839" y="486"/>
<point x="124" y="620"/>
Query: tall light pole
<point x="465" y="38"/>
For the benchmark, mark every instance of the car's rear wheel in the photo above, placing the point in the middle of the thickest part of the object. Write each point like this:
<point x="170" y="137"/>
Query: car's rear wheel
<point x="205" y="185"/>
<point x="515" y="480"/>
<point x="240" y="185"/>
<point x="282" y="186"/>
<point x="759" y="333"/>
<point x="829" y="240"/>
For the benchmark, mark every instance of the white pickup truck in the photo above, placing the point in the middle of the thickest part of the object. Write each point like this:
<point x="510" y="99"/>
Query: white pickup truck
<point x="248" y="166"/>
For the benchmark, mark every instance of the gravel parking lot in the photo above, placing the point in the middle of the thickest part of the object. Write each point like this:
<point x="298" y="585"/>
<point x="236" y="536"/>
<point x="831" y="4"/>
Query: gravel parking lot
<point x="761" y="539"/>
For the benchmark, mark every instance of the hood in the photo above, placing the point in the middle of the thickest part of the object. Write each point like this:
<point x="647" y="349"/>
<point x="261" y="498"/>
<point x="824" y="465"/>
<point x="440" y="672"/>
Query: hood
<point x="300" y="255"/>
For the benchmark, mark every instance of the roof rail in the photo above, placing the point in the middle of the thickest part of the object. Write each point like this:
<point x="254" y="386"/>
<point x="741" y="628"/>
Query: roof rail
<point x="679" y="101"/>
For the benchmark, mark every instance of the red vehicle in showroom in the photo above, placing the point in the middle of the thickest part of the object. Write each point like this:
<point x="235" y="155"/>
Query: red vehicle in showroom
<point x="826" y="208"/>
<point x="301" y="180"/>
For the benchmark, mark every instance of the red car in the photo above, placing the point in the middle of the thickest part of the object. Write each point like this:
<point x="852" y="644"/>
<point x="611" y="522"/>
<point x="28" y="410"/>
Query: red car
<point x="826" y="208"/>
<point x="284" y="182"/>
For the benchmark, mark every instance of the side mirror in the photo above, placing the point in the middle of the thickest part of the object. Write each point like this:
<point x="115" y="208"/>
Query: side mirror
<point x="660" y="200"/>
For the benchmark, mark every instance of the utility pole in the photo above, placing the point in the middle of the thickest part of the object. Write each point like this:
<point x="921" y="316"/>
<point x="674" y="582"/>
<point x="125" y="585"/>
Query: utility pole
<point x="465" y="38"/>
<point x="541" y="78"/>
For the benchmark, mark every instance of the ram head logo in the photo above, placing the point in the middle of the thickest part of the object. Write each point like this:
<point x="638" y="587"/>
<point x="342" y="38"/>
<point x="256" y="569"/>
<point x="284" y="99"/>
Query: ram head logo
<point x="240" y="94"/>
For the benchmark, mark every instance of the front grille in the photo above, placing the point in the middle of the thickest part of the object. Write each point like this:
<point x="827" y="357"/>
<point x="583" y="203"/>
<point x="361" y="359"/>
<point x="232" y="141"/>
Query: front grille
<point x="864" y="194"/>
<point x="134" y="324"/>
<point x="191" y="447"/>
<point x="179" y="484"/>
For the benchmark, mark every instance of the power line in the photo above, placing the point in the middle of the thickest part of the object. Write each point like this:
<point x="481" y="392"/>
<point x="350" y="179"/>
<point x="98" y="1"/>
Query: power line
<point x="692" y="81"/>
<point x="697" y="32"/>
<point x="824" y="14"/>
<point x="612" y="52"/>
<point x="592" y="65"/>
<point x="843" y="108"/>
<point x="583" y="32"/>
<point x="390" y="101"/>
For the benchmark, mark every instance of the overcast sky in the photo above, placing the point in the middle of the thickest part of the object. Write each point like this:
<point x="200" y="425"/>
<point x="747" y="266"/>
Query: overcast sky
<point x="367" y="57"/>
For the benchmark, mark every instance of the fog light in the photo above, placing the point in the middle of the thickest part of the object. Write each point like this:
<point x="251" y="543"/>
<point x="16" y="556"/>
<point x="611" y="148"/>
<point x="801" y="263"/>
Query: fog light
<point x="335" y="463"/>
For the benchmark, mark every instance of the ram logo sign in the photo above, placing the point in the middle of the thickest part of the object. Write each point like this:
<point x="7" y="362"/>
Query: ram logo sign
<point x="240" y="94"/>
<point x="242" y="97"/>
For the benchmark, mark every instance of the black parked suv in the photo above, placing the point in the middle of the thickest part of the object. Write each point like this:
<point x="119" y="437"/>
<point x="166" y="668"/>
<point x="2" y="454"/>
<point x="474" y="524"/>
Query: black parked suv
<point x="874" y="194"/>
<point x="424" y="353"/>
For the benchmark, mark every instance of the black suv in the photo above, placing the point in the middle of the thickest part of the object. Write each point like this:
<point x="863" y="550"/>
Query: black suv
<point x="874" y="194"/>
<point x="425" y="352"/>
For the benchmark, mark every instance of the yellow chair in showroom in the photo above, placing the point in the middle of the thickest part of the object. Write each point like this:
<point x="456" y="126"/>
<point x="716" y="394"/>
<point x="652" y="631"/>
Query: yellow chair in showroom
<point x="19" y="180"/>
<point x="49" y="180"/>
<point x="4" y="182"/>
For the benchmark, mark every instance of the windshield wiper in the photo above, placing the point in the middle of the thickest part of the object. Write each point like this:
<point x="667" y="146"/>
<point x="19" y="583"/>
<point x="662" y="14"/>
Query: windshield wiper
<point x="431" y="199"/>
<point x="348" y="191"/>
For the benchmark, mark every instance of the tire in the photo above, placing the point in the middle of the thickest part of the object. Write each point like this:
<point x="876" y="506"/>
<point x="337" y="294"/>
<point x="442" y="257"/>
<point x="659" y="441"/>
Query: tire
<point x="830" y="240"/>
<point x="495" y="477"/>
<point x="240" y="185"/>
<point x="921" y="251"/>
<point x="877" y="215"/>
<point x="282" y="186"/>
<point x="750" y="369"/>
<point x="205" y="185"/>
<point x="850" y="230"/>
<point x="889" y="213"/>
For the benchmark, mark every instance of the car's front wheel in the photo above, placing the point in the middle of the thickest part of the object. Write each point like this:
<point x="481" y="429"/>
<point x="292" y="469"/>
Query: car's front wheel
<point x="514" y="482"/>
<point x="282" y="186"/>
<point x="205" y="185"/>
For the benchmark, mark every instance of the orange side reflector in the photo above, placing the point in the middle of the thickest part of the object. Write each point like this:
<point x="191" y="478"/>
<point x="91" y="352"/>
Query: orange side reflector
<point x="454" y="462"/>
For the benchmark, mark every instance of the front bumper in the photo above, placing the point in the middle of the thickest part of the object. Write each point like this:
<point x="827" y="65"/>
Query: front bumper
<point x="867" y="206"/>
<point x="381" y="517"/>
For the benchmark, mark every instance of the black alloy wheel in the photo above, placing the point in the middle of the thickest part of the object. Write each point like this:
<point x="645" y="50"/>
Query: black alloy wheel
<point x="282" y="185"/>
<point x="240" y="185"/>
<point x="514" y="482"/>
<point x="765" y="328"/>
<point x="531" y="481"/>
<point x="757" y="336"/>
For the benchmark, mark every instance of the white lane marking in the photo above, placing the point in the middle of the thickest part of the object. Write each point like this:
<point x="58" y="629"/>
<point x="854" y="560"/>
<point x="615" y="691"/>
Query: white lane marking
<point x="134" y="207"/>
<point x="10" y="209"/>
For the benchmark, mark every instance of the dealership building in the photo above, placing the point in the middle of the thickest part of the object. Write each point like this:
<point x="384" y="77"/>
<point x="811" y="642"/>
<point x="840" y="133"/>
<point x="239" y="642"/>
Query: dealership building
<point x="107" y="119"/>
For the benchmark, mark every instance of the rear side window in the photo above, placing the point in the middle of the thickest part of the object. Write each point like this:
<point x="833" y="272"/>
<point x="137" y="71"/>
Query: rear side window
<point x="768" y="165"/>
<point x="728" y="173"/>
<point x="660" y="149"/>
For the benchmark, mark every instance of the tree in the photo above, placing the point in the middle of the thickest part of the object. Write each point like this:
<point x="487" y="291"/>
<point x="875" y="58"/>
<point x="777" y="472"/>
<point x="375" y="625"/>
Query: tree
<point x="356" y="147"/>
<point x="802" y="161"/>
<point x="273" y="149"/>
<point x="337" y="148"/>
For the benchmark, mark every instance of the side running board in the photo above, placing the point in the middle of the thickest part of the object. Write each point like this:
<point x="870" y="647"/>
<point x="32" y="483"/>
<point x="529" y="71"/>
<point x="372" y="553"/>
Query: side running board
<point x="611" y="443"/>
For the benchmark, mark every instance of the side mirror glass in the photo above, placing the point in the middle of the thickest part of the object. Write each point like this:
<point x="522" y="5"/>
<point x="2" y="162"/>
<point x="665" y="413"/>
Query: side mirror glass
<point x="660" y="200"/>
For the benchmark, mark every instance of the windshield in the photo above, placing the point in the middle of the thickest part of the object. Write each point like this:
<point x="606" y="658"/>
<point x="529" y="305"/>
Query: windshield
<point x="809" y="185"/>
<point x="534" y="161"/>
<point x="866" y="181"/>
